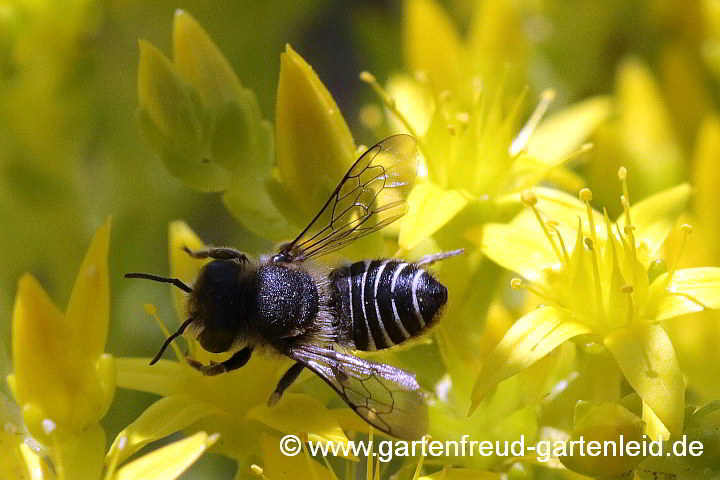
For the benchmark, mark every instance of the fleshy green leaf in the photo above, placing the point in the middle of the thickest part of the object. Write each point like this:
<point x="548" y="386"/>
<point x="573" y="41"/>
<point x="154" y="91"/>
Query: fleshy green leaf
<point x="168" y="462"/>
<point x="646" y="357"/>
<point x="431" y="207"/>
<point x="528" y="340"/>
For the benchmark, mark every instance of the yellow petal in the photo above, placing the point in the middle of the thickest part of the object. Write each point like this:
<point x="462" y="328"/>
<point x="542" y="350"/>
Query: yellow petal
<point x="277" y="466"/>
<point x="606" y="422"/>
<point x="646" y="357"/>
<point x="199" y="61"/>
<point x="646" y="129"/>
<point x="182" y="265"/>
<point x="691" y="290"/>
<point x="654" y="217"/>
<point x="316" y="420"/>
<point x="561" y="134"/>
<point x="164" y="378"/>
<point x="310" y="164"/>
<point x="431" y="43"/>
<point x="431" y="207"/>
<point x="706" y="181"/>
<point x="521" y="250"/>
<point x="169" y="462"/>
<point x="462" y="474"/>
<point x="163" y="418"/>
<point x="528" y="340"/>
<point x="81" y="455"/>
<point x="88" y="312"/>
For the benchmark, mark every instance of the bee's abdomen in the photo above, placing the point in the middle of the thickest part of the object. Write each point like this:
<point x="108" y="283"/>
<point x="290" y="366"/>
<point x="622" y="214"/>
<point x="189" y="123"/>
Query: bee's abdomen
<point x="385" y="302"/>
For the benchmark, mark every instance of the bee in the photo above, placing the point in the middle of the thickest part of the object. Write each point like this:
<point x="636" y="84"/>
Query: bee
<point x="287" y="304"/>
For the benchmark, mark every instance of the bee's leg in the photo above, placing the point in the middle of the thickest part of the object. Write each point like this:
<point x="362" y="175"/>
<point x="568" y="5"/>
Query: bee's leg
<point x="239" y="359"/>
<point x="217" y="253"/>
<point x="436" y="257"/>
<point x="290" y="376"/>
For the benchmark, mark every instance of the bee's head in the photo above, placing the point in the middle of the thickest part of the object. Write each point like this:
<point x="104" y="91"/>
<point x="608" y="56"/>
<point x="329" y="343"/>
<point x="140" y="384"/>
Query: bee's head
<point x="216" y="305"/>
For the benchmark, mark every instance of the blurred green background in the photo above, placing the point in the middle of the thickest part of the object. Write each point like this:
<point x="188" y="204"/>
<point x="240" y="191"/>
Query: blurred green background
<point x="71" y="153"/>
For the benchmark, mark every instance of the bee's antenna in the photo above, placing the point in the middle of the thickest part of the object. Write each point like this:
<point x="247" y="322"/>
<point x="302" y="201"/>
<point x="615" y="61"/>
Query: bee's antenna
<point x="155" y="278"/>
<point x="170" y="339"/>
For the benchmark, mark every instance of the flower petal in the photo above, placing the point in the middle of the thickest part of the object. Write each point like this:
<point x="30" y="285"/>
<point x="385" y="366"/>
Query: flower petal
<point x="88" y="312"/>
<point x="164" y="417"/>
<point x="169" y="462"/>
<point x="528" y="340"/>
<point x="81" y="455"/>
<point x="276" y="465"/>
<point x="521" y="250"/>
<point x="646" y="357"/>
<point x="309" y="165"/>
<point x="563" y="133"/>
<point x="431" y="43"/>
<point x="654" y="217"/>
<point x="690" y="290"/>
<point x="316" y="420"/>
<point x="431" y="207"/>
<point x="462" y="474"/>
<point x="163" y="378"/>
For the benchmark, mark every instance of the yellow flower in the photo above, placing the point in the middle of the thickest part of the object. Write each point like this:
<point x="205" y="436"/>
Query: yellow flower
<point x="232" y="404"/>
<point x="604" y="286"/>
<point x="61" y="378"/>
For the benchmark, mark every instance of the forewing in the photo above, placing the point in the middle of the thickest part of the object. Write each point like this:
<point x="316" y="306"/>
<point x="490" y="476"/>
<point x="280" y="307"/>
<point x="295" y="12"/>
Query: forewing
<point x="388" y="398"/>
<point x="370" y="196"/>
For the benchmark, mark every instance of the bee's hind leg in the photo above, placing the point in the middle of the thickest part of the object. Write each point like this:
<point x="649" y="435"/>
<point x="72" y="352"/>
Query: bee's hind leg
<point x="217" y="253"/>
<point x="436" y="257"/>
<point x="238" y="360"/>
<point x="290" y="376"/>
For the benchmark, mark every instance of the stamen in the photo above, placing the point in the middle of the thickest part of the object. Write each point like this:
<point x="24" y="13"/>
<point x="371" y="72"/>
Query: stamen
<point x="389" y="102"/>
<point x="426" y="439"/>
<point x="622" y="175"/>
<point x="529" y="199"/>
<point x="596" y="277"/>
<point x="520" y="142"/>
<point x="258" y="471"/>
<point x="586" y="196"/>
<point x="553" y="224"/>
<point x="308" y="459"/>
<point x="537" y="290"/>
<point x="687" y="230"/>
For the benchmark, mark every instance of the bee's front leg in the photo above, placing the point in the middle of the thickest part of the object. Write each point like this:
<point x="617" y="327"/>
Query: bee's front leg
<point x="290" y="376"/>
<point x="238" y="360"/>
<point x="217" y="253"/>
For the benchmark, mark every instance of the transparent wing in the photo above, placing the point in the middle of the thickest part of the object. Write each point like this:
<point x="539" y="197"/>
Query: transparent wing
<point x="370" y="196"/>
<point x="388" y="398"/>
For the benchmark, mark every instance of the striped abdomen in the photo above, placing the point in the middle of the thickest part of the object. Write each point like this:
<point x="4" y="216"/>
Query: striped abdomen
<point x="385" y="302"/>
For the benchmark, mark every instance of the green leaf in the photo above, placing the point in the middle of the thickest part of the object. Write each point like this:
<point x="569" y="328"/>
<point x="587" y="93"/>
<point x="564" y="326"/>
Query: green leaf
<point x="528" y="340"/>
<point x="646" y="357"/>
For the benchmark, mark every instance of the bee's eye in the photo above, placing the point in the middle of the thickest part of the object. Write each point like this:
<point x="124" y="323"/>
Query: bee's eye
<point x="216" y="340"/>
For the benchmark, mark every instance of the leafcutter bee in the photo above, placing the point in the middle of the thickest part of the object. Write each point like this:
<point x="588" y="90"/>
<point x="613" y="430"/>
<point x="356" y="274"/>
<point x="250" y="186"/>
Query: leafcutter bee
<point x="287" y="304"/>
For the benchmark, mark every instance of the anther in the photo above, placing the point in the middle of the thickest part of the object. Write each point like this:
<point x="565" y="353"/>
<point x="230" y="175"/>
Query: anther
<point x="622" y="173"/>
<point x="528" y="198"/>
<point x="585" y="195"/>
<point x="367" y="77"/>
<point x="589" y="243"/>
